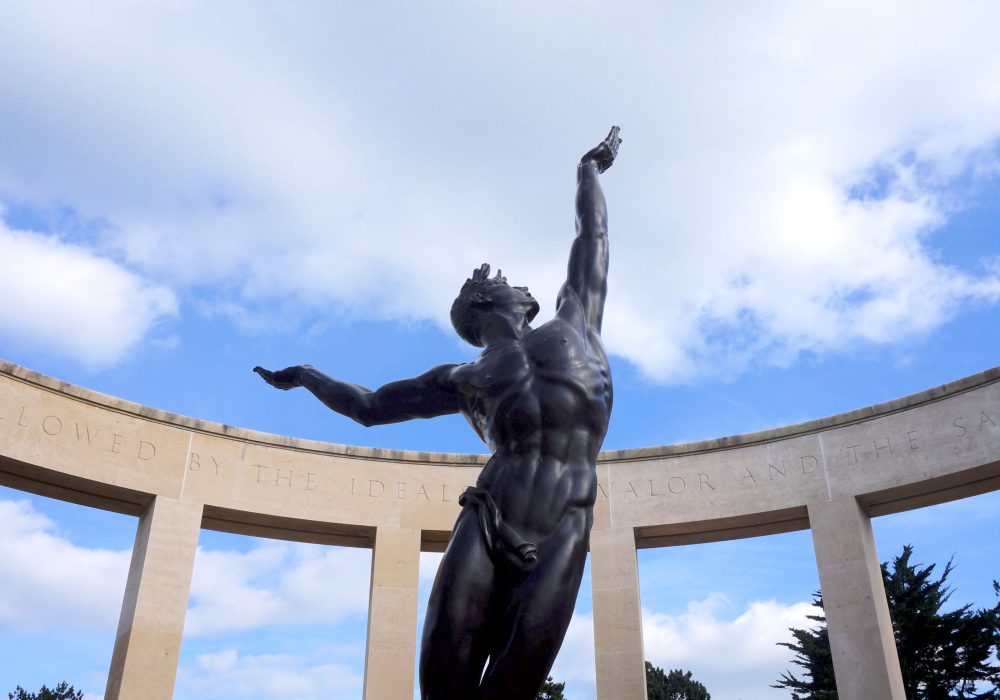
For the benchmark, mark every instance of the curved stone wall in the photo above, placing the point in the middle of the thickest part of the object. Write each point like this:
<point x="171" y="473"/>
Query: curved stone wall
<point x="77" y="445"/>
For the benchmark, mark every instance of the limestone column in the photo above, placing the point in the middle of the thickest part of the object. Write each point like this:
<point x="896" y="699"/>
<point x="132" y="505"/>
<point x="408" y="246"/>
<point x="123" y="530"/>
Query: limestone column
<point x="147" y="647"/>
<point x="865" y="661"/>
<point x="392" y="615"/>
<point x="614" y="575"/>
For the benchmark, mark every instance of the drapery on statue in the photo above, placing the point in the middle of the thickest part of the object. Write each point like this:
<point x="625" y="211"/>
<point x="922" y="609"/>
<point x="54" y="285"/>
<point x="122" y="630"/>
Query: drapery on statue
<point x="540" y="398"/>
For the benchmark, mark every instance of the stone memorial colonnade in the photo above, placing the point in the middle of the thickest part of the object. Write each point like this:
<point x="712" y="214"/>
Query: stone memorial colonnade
<point x="179" y="475"/>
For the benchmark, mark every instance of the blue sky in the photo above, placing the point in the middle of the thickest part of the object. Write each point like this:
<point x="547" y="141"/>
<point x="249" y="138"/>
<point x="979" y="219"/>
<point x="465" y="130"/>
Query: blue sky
<point x="803" y="221"/>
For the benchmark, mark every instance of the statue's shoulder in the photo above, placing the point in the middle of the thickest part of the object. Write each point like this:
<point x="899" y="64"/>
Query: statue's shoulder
<point x="570" y="309"/>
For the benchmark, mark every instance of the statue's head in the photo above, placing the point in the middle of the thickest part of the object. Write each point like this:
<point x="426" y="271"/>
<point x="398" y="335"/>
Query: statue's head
<point x="482" y="293"/>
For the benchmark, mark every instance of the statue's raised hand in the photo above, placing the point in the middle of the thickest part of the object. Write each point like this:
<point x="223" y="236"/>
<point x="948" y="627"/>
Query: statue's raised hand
<point x="604" y="153"/>
<point x="288" y="378"/>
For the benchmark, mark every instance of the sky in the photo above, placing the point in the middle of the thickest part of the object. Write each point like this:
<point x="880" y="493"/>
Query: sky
<point x="803" y="221"/>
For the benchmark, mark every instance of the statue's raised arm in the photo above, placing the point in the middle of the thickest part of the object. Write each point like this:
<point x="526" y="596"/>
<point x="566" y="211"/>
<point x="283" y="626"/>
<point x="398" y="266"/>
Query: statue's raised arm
<point x="587" y="276"/>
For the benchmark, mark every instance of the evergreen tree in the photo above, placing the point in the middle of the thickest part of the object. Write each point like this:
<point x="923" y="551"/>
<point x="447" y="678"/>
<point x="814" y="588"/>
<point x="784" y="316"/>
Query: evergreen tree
<point x="941" y="654"/>
<point x="676" y="685"/>
<point x="551" y="690"/>
<point x="812" y="652"/>
<point x="63" y="691"/>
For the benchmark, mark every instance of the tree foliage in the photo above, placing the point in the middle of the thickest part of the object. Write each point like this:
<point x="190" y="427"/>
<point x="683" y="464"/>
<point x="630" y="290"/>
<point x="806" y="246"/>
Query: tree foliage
<point x="941" y="654"/>
<point x="551" y="690"/>
<point x="63" y="691"/>
<point x="676" y="685"/>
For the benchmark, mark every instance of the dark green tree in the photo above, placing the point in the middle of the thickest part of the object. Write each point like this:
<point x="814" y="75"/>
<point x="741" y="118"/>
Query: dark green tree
<point x="63" y="691"/>
<point x="676" y="685"/>
<point x="941" y="654"/>
<point x="551" y="690"/>
<point x="812" y="652"/>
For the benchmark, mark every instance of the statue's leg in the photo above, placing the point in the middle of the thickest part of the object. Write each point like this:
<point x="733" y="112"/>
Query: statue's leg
<point x="537" y="613"/>
<point x="455" y="641"/>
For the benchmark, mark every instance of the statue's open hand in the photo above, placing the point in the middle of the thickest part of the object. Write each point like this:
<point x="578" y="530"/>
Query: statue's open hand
<point x="287" y="378"/>
<point x="604" y="153"/>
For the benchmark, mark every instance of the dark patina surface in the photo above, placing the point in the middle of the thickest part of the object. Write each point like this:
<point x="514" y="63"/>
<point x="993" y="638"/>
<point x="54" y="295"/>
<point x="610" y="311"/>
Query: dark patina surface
<point x="540" y="398"/>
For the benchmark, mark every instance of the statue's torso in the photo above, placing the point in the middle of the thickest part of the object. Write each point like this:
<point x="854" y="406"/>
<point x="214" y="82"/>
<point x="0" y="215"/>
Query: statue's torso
<point x="542" y="404"/>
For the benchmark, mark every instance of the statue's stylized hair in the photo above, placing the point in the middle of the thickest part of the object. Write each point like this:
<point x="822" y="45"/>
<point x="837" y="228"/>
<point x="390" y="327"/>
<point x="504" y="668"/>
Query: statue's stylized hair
<point x="463" y="313"/>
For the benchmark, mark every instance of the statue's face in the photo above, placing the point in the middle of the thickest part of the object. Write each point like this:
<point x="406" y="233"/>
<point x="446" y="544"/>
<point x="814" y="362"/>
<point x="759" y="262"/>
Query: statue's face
<point x="504" y="296"/>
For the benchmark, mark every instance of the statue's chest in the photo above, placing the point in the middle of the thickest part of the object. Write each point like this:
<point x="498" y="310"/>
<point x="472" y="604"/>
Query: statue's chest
<point x="549" y="372"/>
<point x="542" y="353"/>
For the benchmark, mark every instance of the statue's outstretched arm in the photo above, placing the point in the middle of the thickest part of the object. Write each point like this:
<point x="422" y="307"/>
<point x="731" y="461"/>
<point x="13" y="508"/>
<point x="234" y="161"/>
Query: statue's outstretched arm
<point x="588" y="259"/>
<point x="431" y="394"/>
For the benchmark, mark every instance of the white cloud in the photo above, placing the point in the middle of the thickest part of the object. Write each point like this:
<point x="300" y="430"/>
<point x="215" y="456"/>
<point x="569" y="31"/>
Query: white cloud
<point x="227" y="673"/>
<point x="65" y="299"/>
<point x="783" y="180"/>
<point x="276" y="583"/>
<point x="734" y="657"/>
<point x="575" y="664"/>
<point x="37" y="591"/>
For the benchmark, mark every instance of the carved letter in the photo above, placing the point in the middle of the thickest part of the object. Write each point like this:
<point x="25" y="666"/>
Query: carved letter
<point x="57" y="425"/>
<point x="960" y="427"/>
<point x="353" y="492"/>
<point x="747" y="474"/>
<point x="278" y="477"/>
<point x="20" y="418"/>
<point x="217" y="463"/>
<point x="651" y="491"/>
<point x="443" y="498"/>
<point x="400" y="490"/>
<point x="86" y="428"/>
<point x="371" y="488"/>
<point x="116" y="443"/>
<point x="772" y="470"/>
<point x="423" y="490"/>
<point x="673" y="481"/>
<point x="909" y="436"/>
<point x="260" y="468"/>
<point x="803" y="459"/>
<point x="854" y="451"/>
<point x="703" y="482"/>
<point x="194" y="462"/>
<point x="310" y="481"/>
<point x="601" y="489"/>
<point x="986" y="419"/>
<point x="631" y="490"/>
<point x="148" y="448"/>
<point x="879" y="448"/>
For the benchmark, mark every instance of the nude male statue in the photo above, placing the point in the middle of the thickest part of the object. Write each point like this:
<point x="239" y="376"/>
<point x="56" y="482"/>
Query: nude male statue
<point x="540" y="398"/>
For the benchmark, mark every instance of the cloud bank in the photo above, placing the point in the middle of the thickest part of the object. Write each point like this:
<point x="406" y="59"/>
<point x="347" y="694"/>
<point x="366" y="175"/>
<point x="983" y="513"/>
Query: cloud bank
<point x="733" y="653"/>
<point x="64" y="297"/>
<point x="784" y="187"/>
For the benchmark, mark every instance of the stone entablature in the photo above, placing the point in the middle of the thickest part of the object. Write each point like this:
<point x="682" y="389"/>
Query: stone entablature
<point x="71" y="443"/>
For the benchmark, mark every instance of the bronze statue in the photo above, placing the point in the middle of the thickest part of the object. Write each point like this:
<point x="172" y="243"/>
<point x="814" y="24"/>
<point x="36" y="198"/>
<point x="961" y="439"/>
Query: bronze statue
<point x="540" y="398"/>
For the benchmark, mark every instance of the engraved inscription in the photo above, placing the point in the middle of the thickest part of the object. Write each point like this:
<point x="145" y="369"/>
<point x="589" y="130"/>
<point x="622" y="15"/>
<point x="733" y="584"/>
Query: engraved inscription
<point x="984" y="419"/>
<point x="776" y="470"/>
<point x="882" y="448"/>
<point x="147" y="450"/>
<point x="52" y="425"/>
